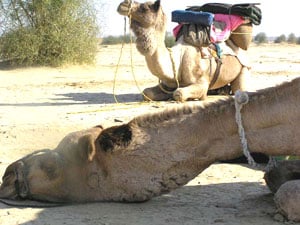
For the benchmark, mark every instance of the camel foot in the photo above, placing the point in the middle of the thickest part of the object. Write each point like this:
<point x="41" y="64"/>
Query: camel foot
<point x="282" y="173"/>
<point x="188" y="93"/>
<point x="287" y="200"/>
<point x="283" y="180"/>
<point x="156" y="94"/>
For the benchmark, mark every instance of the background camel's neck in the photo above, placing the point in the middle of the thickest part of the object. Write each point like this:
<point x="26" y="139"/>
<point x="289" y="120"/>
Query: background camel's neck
<point x="150" y="42"/>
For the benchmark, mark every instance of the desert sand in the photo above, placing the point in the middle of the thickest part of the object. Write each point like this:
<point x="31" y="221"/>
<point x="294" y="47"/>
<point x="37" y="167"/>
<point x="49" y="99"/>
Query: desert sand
<point x="40" y="105"/>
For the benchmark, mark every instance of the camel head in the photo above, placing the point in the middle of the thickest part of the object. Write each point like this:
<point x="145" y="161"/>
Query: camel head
<point x="144" y="15"/>
<point x="68" y="173"/>
<point x="86" y="166"/>
<point x="148" y="23"/>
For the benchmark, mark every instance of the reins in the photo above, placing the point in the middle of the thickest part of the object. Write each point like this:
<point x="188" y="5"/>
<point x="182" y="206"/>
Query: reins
<point x="131" y="58"/>
<point x="175" y="74"/>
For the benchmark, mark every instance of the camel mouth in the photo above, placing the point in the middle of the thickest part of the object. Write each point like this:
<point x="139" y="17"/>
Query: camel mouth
<point x="7" y="187"/>
<point x="14" y="189"/>
<point x="123" y="9"/>
<point x="14" y="185"/>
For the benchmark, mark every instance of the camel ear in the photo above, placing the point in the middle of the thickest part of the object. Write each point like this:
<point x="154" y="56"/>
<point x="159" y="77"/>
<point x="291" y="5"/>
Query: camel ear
<point x="156" y="5"/>
<point x="117" y="136"/>
<point x="87" y="148"/>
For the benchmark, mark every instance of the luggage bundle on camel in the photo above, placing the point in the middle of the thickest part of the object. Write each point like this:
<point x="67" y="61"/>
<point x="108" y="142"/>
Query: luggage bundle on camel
<point x="216" y="22"/>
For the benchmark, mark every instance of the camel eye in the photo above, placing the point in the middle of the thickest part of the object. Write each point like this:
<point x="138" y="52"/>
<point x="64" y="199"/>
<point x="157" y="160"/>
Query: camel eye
<point x="50" y="170"/>
<point x="144" y="8"/>
<point x="51" y="166"/>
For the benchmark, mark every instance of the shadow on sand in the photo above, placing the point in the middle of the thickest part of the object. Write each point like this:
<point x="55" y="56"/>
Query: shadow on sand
<point x="224" y="203"/>
<point x="85" y="98"/>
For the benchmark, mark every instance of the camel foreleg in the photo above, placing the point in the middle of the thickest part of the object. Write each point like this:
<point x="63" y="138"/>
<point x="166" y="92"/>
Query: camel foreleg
<point x="193" y="91"/>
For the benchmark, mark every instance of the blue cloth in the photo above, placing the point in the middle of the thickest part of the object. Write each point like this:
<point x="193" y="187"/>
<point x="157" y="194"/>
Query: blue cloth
<point x="184" y="16"/>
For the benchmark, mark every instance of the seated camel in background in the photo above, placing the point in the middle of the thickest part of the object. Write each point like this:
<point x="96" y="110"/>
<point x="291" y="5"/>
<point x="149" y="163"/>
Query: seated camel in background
<point x="182" y="71"/>
<point x="141" y="159"/>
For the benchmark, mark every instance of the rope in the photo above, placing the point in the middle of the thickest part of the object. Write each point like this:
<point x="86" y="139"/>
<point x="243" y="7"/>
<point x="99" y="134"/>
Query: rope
<point x="241" y="98"/>
<point x="174" y="67"/>
<point x="131" y="58"/>
<point x="232" y="32"/>
<point x="118" y="64"/>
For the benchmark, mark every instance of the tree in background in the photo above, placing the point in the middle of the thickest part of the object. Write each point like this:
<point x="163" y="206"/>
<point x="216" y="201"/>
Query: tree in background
<point x="280" y="39"/>
<point x="292" y="39"/>
<point x="48" y="32"/>
<point x="261" y="38"/>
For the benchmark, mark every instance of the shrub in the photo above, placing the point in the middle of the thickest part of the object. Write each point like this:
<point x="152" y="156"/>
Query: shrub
<point x="292" y="39"/>
<point x="280" y="39"/>
<point x="48" y="32"/>
<point x="169" y="40"/>
<point x="112" y="40"/>
<point x="261" y="38"/>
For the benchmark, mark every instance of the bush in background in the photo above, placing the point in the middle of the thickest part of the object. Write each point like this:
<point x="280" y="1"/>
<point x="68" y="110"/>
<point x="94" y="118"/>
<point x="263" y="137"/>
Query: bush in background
<point x="170" y="40"/>
<point x="280" y="39"/>
<point x="261" y="38"/>
<point x="48" y="32"/>
<point x="292" y="39"/>
<point x="112" y="40"/>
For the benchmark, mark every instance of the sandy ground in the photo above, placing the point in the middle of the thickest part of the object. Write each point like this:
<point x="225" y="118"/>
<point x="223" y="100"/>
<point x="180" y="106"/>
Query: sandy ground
<point x="39" y="106"/>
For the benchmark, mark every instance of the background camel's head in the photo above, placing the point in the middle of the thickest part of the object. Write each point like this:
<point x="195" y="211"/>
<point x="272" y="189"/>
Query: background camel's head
<point x="145" y="15"/>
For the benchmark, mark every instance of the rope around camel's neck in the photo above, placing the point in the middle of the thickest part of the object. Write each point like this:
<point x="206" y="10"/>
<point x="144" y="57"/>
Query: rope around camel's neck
<point x="242" y="98"/>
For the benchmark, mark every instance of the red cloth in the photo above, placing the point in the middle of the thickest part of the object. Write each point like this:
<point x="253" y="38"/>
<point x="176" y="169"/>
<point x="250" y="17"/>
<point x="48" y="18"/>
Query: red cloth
<point x="223" y="25"/>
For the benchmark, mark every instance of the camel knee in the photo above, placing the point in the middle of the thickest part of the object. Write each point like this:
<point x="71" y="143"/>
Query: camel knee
<point x="190" y="93"/>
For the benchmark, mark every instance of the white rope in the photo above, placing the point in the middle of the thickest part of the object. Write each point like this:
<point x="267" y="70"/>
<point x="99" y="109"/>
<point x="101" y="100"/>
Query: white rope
<point x="241" y="98"/>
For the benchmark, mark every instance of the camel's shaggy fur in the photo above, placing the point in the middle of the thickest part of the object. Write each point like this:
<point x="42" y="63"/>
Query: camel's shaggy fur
<point x="182" y="70"/>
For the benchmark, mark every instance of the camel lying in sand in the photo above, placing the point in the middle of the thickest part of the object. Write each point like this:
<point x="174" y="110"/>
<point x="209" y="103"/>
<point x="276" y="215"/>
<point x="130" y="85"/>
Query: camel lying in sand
<point x="182" y="71"/>
<point x="156" y="153"/>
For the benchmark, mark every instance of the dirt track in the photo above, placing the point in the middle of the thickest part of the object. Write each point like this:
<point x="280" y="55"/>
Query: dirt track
<point x="39" y="106"/>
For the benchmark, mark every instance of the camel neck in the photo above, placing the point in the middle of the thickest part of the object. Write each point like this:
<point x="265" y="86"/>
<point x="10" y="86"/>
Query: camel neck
<point x="209" y="131"/>
<point x="150" y="43"/>
<point x="160" y="63"/>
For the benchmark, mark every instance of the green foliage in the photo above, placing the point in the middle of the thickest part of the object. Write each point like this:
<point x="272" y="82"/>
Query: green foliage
<point x="261" y="38"/>
<point x="48" y="32"/>
<point x="292" y="39"/>
<point x="280" y="39"/>
<point x="112" y="40"/>
<point x="169" y="40"/>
